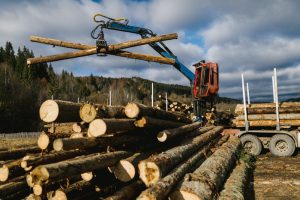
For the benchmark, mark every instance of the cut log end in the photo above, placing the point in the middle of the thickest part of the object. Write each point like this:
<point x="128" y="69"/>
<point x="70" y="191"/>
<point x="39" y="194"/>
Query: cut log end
<point x="87" y="176"/>
<point x="76" y="128"/>
<point x="124" y="171"/>
<point x="141" y="123"/>
<point x="37" y="190"/>
<point x="88" y="113"/>
<point x="43" y="141"/>
<point x="97" y="128"/>
<point x="49" y="111"/>
<point x="58" y="195"/>
<point x="184" y="195"/>
<point x="149" y="173"/>
<point x="76" y="135"/>
<point x="58" y="145"/>
<point x="132" y="110"/>
<point x="4" y="173"/>
<point x="29" y="180"/>
<point x="162" y="136"/>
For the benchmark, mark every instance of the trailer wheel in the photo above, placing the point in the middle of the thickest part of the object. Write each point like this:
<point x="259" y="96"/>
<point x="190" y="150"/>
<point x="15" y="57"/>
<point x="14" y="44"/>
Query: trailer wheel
<point x="251" y="144"/>
<point x="282" y="145"/>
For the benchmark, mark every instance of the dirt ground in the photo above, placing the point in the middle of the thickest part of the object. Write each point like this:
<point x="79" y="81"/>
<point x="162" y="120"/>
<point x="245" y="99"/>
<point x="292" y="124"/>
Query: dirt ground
<point x="276" y="177"/>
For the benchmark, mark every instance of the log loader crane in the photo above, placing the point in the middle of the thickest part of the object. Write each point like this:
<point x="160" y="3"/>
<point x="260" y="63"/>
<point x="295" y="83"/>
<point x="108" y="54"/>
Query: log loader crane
<point x="205" y="81"/>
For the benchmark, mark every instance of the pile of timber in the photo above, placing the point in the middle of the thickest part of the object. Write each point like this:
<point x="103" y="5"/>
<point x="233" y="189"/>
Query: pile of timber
<point x="175" y="106"/>
<point x="264" y="115"/>
<point x="121" y="153"/>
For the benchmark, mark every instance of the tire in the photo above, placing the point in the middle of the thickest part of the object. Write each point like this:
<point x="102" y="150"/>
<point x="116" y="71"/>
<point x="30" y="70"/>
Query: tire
<point x="251" y="144"/>
<point x="282" y="145"/>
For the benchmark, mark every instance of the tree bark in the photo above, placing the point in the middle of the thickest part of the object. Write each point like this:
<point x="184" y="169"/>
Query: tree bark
<point x="99" y="142"/>
<point x="59" y="111"/>
<point x="128" y="192"/>
<point x="171" y="133"/>
<point x="236" y="185"/>
<point x="18" y="153"/>
<point x="266" y="123"/>
<point x="110" y="48"/>
<point x="154" y="168"/>
<point x="12" y="187"/>
<point x="269" y="110"/>
<point x="134" y="110"/>
<point x="148" y="122"/>
<point x="240" y="107"/>
<point x="163" y="187"/>
<point x="32" y="161"/>
<point x="207" y="180"/>
<point x="75" y="166"/>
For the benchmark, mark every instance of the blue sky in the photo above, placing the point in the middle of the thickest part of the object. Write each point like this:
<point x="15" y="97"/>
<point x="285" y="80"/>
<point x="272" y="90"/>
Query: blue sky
<point x="249" y="37"/>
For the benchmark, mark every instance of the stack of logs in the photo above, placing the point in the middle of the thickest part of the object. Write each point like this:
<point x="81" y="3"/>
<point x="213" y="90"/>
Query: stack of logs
<point x="175" y="106"/>
<point x="117" y="153"/>
<point x="264" y="115"/>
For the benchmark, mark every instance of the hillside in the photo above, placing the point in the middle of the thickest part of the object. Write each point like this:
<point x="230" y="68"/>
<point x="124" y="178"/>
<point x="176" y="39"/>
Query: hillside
<point x="36" y="83"/>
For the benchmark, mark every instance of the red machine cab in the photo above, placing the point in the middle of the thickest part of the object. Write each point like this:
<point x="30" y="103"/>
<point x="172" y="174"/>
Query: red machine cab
<point x="206" y="82"/>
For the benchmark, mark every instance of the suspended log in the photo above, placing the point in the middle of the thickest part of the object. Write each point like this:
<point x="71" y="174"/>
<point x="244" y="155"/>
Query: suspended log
<point x="110" y="48"/>
<point x="121" y="53"/>
<point x="75" y="166"/>
<point x="163" y="187"/>
<point x="59" y="111"/>
<point x="18" y="153"/>
<point x="10" y="170"/>
<point x="100" y="127"/>
<point x="236" y="185"/>
<point x="207" y="180"/>
<point x="171" y="133"/>
<point x="266" y="123"/>
<point x="154" y="168"/>
<point x="289" y="116"/>
<point x="99" y="142"/>
<point x="128" y="192"/>
<point x="134" y="110"/>
<point x="45" y="139"/>
<point x="31" y="161"/>
<point x="148" y="122"/>
<point x="125" y="169"/>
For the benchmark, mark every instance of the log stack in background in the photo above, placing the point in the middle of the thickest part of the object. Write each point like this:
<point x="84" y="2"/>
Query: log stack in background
<point x="264" y="114"/>
<point x="120" y="153"/>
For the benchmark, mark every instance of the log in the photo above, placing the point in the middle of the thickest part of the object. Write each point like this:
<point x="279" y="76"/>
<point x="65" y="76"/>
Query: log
<point x="10" y="170"/>
<point x="134" y="110"/>
<point x="240" y="107"/>
<point x="163" y="187"/>
<point x="18" y="153"/>
<point x="125" y="169"/>
<point x="32" y="161"/>
<point x="128" y="192"/>
<point x="110" y="48"/>
<point x="45" y="139"/>
<point x="59" y="111"/>
<point x="99" y="142"/>
<point x="100" y="127"/>
<point x="33" y="197"/>
<point x="171" y="133"/>
<point x="154" y="168"/>
<point x="75" y="166"/>
<point x="207" y="180"/>
<point x="270" y="110"/>
<point x="267" y="123"/>
<point x="12" y="187"/>
<point x="121" y="53"/>
<point x="236" y="185"/>
<point x="64" y="128"/>
<point x="289" y="116"/>
<point x="87" y="176"/>
<point x="149" y="122"/>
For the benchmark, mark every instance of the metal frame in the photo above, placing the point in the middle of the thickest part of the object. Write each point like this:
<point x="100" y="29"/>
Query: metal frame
<point x="245" y="104"/>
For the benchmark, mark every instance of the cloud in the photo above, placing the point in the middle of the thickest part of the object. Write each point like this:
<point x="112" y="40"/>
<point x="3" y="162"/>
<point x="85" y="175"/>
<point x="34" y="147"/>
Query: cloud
<point x="249" y="37"/>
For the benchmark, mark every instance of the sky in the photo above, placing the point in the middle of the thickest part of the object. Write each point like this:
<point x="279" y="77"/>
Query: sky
<point x="246" y="36"/>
